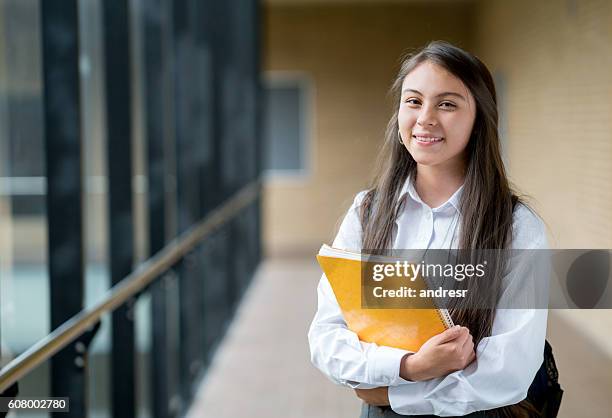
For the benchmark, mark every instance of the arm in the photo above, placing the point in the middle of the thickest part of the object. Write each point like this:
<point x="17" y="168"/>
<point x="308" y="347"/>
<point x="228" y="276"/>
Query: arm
<point x="504" y="368"/>
<point x="442" y="354"/>
<point x="337" y="351"/>
<point x="340" y="355"/>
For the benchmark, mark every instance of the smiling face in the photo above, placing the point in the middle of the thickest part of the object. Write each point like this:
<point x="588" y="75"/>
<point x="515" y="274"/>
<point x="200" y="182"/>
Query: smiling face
<point x="436" y="116"/>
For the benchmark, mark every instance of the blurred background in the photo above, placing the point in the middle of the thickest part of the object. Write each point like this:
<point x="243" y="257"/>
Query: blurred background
<point x="230" y="137"/>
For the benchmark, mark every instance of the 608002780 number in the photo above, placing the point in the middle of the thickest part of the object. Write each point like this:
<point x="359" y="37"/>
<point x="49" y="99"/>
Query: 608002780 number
<point x="40" y="404"/>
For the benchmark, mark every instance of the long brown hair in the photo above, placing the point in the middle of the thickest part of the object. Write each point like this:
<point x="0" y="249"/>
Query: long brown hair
<point x="487" y="201"/>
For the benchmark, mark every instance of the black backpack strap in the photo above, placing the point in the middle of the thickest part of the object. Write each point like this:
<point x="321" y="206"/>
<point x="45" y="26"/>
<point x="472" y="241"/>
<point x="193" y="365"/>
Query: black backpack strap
<point x="545" y="393"/>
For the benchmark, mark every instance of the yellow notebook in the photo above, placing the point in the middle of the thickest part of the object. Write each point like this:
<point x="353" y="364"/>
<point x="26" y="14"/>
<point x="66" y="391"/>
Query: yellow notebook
<point x="402" y="328"/>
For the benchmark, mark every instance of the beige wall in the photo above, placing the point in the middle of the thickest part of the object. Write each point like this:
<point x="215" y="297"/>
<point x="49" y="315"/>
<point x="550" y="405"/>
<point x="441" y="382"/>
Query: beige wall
<point x="556" y="57"/>
<point x="351" y="53"/>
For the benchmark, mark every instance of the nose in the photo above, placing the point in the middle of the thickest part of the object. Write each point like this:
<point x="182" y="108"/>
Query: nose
<point x="427" y="117"/>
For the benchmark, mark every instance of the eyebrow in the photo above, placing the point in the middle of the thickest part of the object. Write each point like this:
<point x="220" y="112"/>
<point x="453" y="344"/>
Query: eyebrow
<point x="446" y="93"/>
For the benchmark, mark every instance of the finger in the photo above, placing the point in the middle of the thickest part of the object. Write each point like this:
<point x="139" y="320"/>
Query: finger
<point x="468" y="349"/>
<point x="467" y="344"/>
<point x="464" y="336"/>
<point x="448" y="335"/>
<point x="471" y="358"/>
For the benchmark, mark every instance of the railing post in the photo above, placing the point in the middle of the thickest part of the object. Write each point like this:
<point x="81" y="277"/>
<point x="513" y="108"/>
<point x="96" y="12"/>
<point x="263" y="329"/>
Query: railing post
<point x="119" y="154"/>
<point x="62" y="112"/>
<point x="188" y="194"/>
<point x="156" y="78"/>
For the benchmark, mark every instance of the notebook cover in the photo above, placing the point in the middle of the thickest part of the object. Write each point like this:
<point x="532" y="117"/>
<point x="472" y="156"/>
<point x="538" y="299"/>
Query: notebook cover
<point x="404" y="328"/>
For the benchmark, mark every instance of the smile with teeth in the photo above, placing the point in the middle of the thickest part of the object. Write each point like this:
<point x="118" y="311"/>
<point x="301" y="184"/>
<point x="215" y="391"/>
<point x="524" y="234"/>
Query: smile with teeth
<point x="427" y="139"/>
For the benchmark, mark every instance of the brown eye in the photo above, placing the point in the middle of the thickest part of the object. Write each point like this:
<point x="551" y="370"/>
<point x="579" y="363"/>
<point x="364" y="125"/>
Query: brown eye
<point x="448" y="105"/>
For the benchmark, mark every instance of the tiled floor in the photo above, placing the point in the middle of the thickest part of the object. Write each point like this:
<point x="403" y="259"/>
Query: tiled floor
<point x="262" y="368"/>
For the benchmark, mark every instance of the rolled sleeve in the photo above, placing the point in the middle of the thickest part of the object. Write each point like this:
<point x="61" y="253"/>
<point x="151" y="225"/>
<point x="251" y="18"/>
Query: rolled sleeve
<point x="387" y="361"/>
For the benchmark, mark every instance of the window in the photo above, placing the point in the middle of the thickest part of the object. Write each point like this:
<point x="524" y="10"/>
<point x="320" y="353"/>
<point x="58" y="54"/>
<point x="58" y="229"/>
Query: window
<point x="287" y="126"/>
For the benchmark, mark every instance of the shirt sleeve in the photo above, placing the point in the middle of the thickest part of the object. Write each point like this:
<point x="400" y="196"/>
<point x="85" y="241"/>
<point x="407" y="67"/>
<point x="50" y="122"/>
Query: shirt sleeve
<point x="337" y="351"/>
<point x="506" y="362"/>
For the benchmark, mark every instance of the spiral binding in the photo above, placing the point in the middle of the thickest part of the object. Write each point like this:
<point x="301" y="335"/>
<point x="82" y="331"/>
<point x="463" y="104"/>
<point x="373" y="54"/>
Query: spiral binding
<point x="445" y="318"/>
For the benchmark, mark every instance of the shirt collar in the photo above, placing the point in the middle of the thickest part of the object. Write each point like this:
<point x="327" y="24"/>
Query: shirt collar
<point x="409" y="189"/>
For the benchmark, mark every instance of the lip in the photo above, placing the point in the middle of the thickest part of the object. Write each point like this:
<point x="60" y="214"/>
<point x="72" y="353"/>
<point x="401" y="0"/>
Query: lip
<point x="429" y="143"/>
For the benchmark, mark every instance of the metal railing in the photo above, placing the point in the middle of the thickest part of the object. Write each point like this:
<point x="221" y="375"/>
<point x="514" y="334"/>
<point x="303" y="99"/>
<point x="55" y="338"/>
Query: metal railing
<point x="147" y="273"/>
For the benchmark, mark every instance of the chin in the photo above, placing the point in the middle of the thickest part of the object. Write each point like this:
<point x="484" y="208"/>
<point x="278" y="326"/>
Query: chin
<point x="426" y="160"/>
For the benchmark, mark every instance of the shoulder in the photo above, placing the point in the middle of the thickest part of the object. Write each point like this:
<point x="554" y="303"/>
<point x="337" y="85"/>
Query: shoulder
<point x="528" y="229"/>
<point x="358" y="200"/>
<point x="349" y="233"/>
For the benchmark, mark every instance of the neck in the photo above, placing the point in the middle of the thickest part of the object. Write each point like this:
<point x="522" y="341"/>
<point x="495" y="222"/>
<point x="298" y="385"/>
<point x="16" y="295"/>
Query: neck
<point x="435" y="185"/>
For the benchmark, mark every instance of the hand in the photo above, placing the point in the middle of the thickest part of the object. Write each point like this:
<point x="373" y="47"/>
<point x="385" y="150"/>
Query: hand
<point x="442" y="354"/>
<point x="377" y="396"/>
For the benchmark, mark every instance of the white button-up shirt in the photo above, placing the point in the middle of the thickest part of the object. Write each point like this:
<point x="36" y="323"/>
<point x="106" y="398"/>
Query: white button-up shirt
<point x="506" y="362"/>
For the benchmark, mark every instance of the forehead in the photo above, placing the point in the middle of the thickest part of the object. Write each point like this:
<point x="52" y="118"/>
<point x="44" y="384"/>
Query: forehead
<point x="431" y="79"/>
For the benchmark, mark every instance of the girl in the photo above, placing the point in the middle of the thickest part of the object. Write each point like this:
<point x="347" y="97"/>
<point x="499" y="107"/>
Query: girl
<point x="440" y="183"/>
